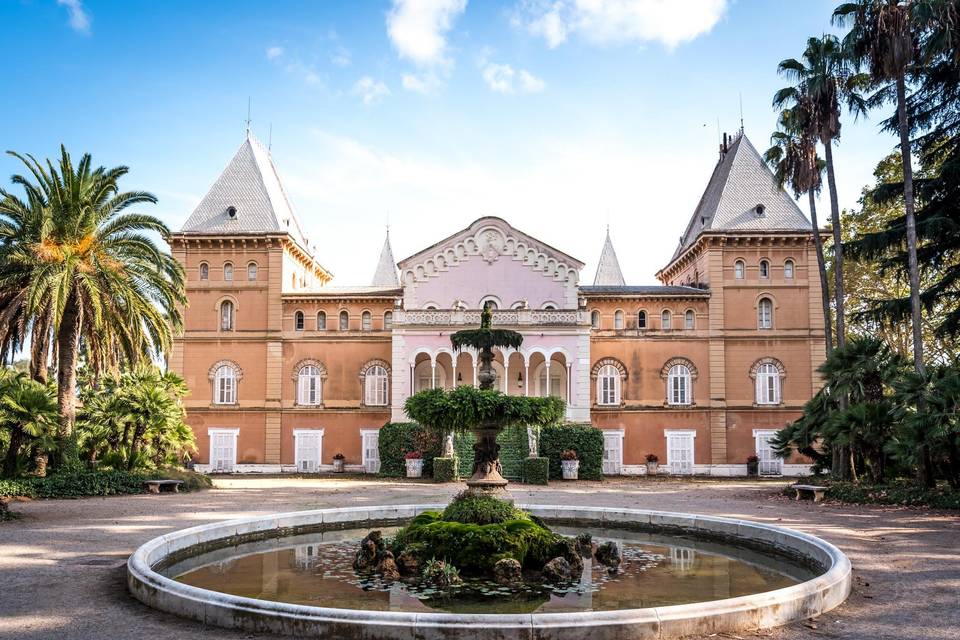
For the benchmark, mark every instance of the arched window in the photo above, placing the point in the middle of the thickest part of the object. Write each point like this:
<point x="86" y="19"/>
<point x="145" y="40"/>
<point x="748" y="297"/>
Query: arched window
<point x="298" y="321"/>
<point x="309" y="387"/>
<point x="228" y="271"/>
<point x="665" y="320"/>
<point x="739" y="270"/>
<point x="642" y="320"/>
<point x="226" y="315"/>
<point x="204" y="271"/>
<point x="375" y="386"/>
<point x="595" y="319"/>
<point x="225" y="385"/>
<point x="366" y="321"/>
<point x="768" y="383"/>
<point x="678" y="385"/>
<point x="344" y="321"/>
<point x="765" y="314"/>
<point x="388" y="321"/>
<point x="618" y="320"/>
<point x="608" y="385"/>
<point x="252" y="271"/>
<point x="764" y="269"/>
<point x="549" y="307"/>
<point x="788" y="269"/>
<point x="688" y="319"/>
<point x="322" y="321"/>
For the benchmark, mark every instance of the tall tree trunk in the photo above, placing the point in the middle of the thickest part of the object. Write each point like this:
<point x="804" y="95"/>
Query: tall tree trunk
<point x="837" y="244"/>
<point x="926" y="464"/>
<point x="39" y="350"/>
<point x="822" y="268"/>
<point x="10" y="462"/>
<point x="841" y="454"/>
<point x="68" y="345"/>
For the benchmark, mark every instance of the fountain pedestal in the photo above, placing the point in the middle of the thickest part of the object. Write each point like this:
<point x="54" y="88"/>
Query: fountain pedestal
<point x="487" y="474"/>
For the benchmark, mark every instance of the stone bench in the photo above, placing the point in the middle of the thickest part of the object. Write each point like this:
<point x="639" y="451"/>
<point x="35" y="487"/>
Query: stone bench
<point x="801" y="489"/>
<point x="156" y="486"/>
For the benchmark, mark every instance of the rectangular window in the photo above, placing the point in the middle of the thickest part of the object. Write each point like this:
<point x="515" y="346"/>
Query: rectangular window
<point x="370" y="439"/>
<point x="680" y="452"/>
<point x="308" y="446"/>
<point x="223" y="449"/>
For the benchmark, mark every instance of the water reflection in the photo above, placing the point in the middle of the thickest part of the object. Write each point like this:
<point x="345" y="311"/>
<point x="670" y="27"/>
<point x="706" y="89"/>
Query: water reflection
<point x="316" y="570"/>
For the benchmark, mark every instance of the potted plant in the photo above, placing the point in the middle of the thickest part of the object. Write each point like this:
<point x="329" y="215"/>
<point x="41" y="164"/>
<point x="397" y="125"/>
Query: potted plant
<point x="338" y="461"/>
<point x="570" y="464"/>
<point x="414" y="460"/>
<point x="753" y="466"/>
<point x="653" y="464"/>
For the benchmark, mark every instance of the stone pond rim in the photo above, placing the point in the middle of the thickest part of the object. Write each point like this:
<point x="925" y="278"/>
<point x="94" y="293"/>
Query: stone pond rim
<point x="762" y="610"/>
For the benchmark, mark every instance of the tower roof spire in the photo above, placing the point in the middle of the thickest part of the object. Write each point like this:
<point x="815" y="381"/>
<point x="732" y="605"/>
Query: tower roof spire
<point x="386" y="274"/>
<point x="608" y="269"/>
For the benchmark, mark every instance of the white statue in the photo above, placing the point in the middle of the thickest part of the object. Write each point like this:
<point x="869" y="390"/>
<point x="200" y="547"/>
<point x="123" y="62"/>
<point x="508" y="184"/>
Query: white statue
<point x="448" y="451"/>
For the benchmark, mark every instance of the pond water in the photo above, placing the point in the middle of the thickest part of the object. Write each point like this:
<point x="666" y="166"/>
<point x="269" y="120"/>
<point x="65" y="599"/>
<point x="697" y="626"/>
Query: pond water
<point x="657" y="570"/>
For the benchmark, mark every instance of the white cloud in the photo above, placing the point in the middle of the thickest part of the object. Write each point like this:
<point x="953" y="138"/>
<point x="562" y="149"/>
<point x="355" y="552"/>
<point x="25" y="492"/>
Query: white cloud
<point x="619" y="21"/>
<point x="425" y="83"/>
<point x="418" y="29"/>
<point x="341" y="57"/>
<point x="274" y="52"/>
<point x="79" y="18"/>
<point x="503" y="78"/>
<point x="370" y="91"/>
<point x="560" y="192"/>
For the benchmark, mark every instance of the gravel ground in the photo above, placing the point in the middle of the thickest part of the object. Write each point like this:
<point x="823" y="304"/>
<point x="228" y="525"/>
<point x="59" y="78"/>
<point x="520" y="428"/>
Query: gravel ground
<point x="62" y="565"/>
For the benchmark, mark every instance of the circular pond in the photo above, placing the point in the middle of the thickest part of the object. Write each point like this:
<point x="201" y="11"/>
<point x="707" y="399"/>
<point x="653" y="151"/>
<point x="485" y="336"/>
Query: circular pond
<point x="680" y="574"/>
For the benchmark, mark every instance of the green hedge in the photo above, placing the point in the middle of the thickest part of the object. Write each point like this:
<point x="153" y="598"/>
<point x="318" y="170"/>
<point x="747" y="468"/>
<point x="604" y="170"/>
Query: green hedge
<point x="96" y="483"/>
<point x="585" y="439"/>
<point x="896" y="492"/>
<point x="514" y="449"/>
<point x="446" y="469"/>
<point x="397" y="438"/>
<point x="536" y="470"/>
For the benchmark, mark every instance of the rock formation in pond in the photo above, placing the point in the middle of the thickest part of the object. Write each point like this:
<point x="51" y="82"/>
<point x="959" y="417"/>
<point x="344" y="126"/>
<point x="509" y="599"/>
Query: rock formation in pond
<point x="508" y="572"/>
<point x="608" y="554"/>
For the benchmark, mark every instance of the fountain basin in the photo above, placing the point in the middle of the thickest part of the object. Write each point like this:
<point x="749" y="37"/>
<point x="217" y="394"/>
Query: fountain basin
<point x="759" y="610"/>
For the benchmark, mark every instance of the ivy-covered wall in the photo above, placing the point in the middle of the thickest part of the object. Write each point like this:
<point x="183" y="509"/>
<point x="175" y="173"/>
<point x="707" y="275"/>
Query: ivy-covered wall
<point x="585" y="439"/>
<point x="397" y="438"/>
<point x="513" y="449"/>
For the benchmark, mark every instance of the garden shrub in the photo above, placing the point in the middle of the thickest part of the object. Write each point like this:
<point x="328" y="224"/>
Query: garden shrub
<point x="514" y="449"/>
<point x="471" y="507"/>
<point x="585" y="439"/>
<point x="446" y="469"/>
<point x="536" y="470"/>
<point x="905" y="492"/>
<point x="398" y="438"/>
<point x="96" y="483"/>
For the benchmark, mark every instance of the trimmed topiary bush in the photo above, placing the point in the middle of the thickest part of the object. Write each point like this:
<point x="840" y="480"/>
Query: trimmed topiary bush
<point x="536" y="470"/>
<point x="513" y="449"/>
<point x="446" y="469"/>
<point x="396" y="439"/>
<point x="585" y="439"/>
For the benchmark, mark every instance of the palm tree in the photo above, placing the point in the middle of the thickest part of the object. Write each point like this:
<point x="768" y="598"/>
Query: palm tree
<point x="793" y="158"/>
<point x="930" y="408"/>
<point x="28" y="411"/>
<point x="96" y="273"/>
<point x="823" y="81"/>
<point x="885" y="36"/>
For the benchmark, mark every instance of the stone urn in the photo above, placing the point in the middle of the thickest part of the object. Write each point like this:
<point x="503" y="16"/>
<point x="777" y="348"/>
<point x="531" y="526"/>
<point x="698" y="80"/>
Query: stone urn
<point x="653" y="464"/>
<point x="338" y="464"/>
<point x="753" y="466"/>
<point x="570" y="469"/>
<point x="414" y="467"/>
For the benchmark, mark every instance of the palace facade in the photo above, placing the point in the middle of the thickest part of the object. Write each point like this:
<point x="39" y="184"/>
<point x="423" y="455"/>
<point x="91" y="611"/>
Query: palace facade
<point x="286" y="370"/>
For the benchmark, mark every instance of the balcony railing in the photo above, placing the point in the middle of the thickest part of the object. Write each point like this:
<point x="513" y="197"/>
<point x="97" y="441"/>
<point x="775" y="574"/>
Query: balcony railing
<point x="505" y="318"/>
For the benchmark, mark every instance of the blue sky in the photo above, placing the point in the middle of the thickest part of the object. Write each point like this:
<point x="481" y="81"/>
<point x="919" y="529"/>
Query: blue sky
<point x="559" y="116"/>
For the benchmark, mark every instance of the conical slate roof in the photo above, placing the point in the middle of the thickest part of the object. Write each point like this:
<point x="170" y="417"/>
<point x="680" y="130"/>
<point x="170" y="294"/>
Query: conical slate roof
<point x="251" y="185"/>
<point x="386" y="274"/>
<point x="608" y="269"/>
<point x="742" y="182"/>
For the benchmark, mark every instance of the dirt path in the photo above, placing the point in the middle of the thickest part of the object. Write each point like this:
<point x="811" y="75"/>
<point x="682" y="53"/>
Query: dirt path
<point x="62" y="563"/>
